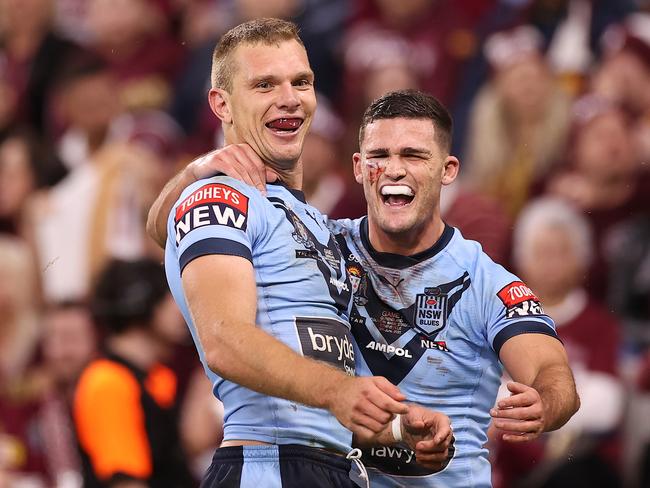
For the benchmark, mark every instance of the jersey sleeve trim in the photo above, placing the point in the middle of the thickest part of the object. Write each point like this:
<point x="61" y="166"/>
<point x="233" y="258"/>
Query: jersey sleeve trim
<point x="214" y="246"/>
<point x="523" y="327"/>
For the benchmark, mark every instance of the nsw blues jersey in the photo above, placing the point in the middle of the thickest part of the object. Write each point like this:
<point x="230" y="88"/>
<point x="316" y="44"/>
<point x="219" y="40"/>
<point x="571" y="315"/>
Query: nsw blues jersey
<point x="433" y="324"/>
<point x="303" y="296"/>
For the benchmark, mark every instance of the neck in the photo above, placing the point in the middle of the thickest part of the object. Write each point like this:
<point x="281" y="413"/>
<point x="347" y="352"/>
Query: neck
<point x="405" y="243"/>
<point x="288" y="172"/>
<point x="136" y="346"/>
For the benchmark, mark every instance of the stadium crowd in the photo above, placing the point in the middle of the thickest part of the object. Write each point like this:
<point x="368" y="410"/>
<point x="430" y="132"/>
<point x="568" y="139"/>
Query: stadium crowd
<point x="102" y="101"/>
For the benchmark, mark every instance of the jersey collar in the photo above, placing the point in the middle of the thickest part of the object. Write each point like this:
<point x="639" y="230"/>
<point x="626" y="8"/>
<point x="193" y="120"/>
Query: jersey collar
<point x="399" y="261"/>
<point x="296" y="193"/>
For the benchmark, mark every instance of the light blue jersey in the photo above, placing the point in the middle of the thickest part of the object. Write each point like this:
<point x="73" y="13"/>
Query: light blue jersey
<point x="303" y="296"/>
<point x="433" y="324"/>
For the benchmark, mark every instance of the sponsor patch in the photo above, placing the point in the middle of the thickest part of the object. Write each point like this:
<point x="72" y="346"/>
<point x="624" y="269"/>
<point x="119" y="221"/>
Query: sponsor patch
<point x="213" y="204"/>
<point x="438" y="345"/>
<point x="400" y="461"/>
<point x="326" y="340"/>
<point x="389" y="350"/>
<point x="519" y="300"/>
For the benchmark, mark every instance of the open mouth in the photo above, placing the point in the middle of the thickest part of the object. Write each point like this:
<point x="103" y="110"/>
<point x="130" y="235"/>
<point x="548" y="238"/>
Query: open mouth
<point x="285" y="125"/>
<point x="397" y="195"/>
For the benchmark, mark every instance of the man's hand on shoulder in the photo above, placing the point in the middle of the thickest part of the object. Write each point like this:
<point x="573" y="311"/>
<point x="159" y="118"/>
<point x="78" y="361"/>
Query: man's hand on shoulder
<point x="238" y="161"/>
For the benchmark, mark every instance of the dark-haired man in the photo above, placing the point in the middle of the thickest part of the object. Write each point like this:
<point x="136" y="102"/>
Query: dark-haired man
<point x="264" y="289"/>
<point x="432" y="312"/>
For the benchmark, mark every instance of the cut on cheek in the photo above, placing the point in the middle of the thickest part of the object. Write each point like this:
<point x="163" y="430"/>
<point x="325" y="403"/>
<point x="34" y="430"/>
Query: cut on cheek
<point x="374" y="172"/>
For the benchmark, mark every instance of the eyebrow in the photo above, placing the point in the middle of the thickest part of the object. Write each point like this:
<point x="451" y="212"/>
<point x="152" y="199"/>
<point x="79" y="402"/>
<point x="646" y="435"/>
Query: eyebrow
<point x="416" y="151"/>
<point x="305" y="74"/>
<point x="405" y="151"/>
<point x="274" y="79"/>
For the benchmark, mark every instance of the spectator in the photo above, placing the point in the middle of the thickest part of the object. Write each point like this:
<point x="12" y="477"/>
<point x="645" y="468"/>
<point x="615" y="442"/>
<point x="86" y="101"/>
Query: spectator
<point x="134" y="38"/>
<point x="19" y="157"/>
<point x="69" y="343"/>
<point x="552" y="250"/>
<point x="124" y="405"/>
<point x="623" y="76"/>
<point x="87" y="108"/>
<point x="519" y="121"/>
<point x="21" y="452"/>
<point x="33" y="55"/>
<point x="432" y="38"/>
<point x="609" y="194"/>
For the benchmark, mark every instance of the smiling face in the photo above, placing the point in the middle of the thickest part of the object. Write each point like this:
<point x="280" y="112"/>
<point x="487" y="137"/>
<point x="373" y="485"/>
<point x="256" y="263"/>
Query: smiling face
<point x="271" y="103"/>
<point x="402" y="168"/>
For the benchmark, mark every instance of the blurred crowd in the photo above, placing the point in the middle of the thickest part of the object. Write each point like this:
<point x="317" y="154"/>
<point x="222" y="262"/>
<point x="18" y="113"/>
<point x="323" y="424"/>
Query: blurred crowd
<point x="102" y="101"/>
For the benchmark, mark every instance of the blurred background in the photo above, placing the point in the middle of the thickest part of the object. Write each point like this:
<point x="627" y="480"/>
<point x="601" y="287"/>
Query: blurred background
<point x="102" y="101"/>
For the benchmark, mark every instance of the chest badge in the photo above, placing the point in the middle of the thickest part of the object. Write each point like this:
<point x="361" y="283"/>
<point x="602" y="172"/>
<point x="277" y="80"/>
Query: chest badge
<point x="430" y="311"/>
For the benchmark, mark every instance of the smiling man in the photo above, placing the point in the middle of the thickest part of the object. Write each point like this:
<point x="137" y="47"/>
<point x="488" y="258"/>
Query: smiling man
<point x="263" y="287"/>
<point x="432" y="313"/>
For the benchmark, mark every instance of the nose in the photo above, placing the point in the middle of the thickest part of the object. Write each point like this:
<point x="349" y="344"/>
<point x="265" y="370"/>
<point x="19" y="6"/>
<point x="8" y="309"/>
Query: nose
<point x="288" y="97"/>
<point x="394" y="168"/>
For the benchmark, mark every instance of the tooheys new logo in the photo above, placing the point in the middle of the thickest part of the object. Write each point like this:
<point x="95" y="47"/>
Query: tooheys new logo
<point x="213" y="204"/>
<point x="519" y="300"/>
<point x="326" y="340"/>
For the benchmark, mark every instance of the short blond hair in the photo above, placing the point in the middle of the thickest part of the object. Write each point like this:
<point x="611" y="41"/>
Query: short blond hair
<point x="262" y="31"/>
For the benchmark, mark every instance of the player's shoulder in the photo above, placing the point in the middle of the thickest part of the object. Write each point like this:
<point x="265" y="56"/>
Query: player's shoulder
<point x="104" y="375"/>
<point x="219" y="188"/>
<point x="343" y="226"/>
<point x="469" y="255"/>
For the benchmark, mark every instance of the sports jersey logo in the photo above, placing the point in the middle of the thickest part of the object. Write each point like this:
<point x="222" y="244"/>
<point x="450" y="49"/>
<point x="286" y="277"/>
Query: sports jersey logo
<point x="300" y="234"/>
<point x="400" y="461"/>
<point x="213" y="204"/>
<point x="388" y="349"/>
<point x="431" y="310"/>
<point x="359" y="284"/>
<point x="519" y="300"/>
<point x="326" y="340"/>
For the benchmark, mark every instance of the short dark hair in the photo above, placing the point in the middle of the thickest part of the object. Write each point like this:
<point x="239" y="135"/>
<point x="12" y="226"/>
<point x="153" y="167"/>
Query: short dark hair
<point x="411" y="104"/>
<point x="263" y="31"/>
<point x="127" y="293"/>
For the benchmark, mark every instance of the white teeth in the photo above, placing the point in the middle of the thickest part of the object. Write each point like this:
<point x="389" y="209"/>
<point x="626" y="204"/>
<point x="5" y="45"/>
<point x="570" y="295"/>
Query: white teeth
<point x="397" y="190"/>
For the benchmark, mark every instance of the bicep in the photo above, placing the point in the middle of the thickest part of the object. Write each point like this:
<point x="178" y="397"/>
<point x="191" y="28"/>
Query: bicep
<point x="525" y="355"/>
<point x="220" y="291"/>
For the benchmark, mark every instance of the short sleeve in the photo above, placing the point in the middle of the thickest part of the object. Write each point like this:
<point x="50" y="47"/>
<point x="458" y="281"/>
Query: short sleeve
<point x="218" y="215"/>
<point x="513" y="309"/>
<point x="110" y="423"/>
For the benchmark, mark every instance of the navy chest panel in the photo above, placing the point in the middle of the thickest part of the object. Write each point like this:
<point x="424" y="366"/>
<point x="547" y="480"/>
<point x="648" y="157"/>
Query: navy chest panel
<point x="393" y="340"/>
<point x="328" y="257"/>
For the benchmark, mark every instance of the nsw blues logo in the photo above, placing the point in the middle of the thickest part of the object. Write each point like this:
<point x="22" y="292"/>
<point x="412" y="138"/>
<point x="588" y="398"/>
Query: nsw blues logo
<point x="431" y="311"/>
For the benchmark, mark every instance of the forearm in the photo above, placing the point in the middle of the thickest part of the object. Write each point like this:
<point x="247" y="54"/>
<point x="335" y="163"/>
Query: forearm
<point x="383" y="438"/>
<point x="157" y="218"/>
<point x="248" y="356"/>
<point x="556" y="387"/>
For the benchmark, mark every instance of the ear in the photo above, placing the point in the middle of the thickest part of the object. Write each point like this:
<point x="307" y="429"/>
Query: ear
<point x="357" y="166"/>
<point x="450" y="170"/>
<point x="220" y="104"/>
